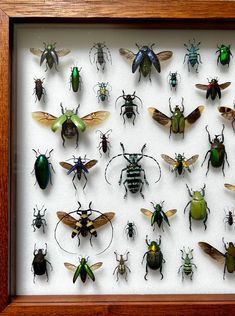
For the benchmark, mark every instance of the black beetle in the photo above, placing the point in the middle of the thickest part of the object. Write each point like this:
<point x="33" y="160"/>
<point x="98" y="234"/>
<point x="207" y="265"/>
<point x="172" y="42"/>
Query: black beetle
<point x="39" y="90"/>
<point x="104" y="143"/>
<point x="130" y="108"/>
<point x="39" y="264"/>
<point x="130" y="230"/>
<point x="39" y="221"/>
<point x="154" y="258"/>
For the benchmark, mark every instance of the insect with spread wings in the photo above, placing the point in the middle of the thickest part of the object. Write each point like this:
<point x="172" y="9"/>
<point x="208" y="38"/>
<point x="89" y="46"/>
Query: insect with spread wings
<point x="227" y="259"/>
<point x="228" y="114"/>
<point x="69" y="122"/>
<point x="213" y="88"/>
<point x="83" y="269"/>
<point x="84" y="226"/>
<point x="49" y="54"/>
<point x="180" y="163"/>
<point x="144" y="59"/>
<point x="158" y="215"/>
<point x="230" y="187"/>
<point x="80" y="167"/>
<point x="177" y="122"/>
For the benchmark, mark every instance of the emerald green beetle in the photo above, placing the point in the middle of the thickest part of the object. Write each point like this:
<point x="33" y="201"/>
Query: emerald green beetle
<point x="228" y="259"/>
<point x="224" y="54"/>
<point x="198" y="206"/>
<point x="69" y="122"/>
<point x="177" y="122"/>
<point x="217" y="152"/>
<point x="75" y="79"/>
<point x="83" y="270"/>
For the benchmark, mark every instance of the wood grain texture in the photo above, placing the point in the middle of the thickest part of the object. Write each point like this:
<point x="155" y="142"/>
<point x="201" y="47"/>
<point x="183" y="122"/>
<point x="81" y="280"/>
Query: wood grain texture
<point x="165" y="13"/>
<point x="4" y="202"/>
<point x="122" y="9"/>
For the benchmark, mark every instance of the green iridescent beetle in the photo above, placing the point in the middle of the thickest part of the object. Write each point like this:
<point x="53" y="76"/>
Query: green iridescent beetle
<point x="75" y="78"/>
<point x="69" y="122"/>
<point x="177" y="122"/>
<point x="198" y="206"/>
<point x="83" y="270"/>
<point x="224" y="54"/>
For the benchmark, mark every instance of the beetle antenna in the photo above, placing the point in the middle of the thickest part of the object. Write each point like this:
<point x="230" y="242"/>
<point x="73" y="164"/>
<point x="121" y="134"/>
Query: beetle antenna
<point x="160" y="171"/>
<point x="105" y="172"/>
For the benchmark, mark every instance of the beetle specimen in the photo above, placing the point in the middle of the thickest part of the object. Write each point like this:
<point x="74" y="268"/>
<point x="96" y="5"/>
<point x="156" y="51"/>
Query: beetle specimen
<point x="187" y="267"/>
<point x="228" y="259"/>
<point x="75" y="79"/>
<point x="100" y="56"/>
<point x="154" y="259"/>
<point x="180" y="163"/>
<point x="177" y="122"/>
<point x="229" y="218"/>
<point x="224" y="54"/>
<point x="130" y="108"/>
<point x="39" y="90"/>
<point x="121" y="268"/>
<point x="217" y="152"/>
<point x="39" y="221"/>
<point x="144" y="59"/>
<point x="130" y="230"/>
<point x="103" y="91"/>
<point x="104" y="143"/>
<point x="69" y="122"/>
<point x="42" y="169"/>
<point x="39" y="264"/>
<point x="158" y="216"/>
<point x="83" y="269"/>
<point x="50" y="54"/>
<point x="133" y="182"/>
<point x="193" y="57"/>
<point x="213" y="88"/>
<point x="198" y="206"/>
<point x="173" y="79"/>
<point x="84" y="225"/>
<point x="79" y="168"/>
<point x="228" y="114"/>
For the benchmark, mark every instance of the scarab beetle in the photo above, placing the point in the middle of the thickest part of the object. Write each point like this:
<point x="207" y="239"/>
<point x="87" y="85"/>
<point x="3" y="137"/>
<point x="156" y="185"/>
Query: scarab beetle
<point x="217" y="152"/>
<point x="224" y="54"/>
<point x="154" y="259"/>
<point x="39" y="264"/>
<point x="198" y="206"/>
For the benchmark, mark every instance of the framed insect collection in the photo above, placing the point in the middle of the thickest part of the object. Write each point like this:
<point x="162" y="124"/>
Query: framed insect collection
<point x="121" y="157"/>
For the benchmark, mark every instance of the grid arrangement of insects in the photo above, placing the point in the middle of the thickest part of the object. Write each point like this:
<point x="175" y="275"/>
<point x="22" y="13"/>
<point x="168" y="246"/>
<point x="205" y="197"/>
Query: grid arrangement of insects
<point x="92" y="217"/>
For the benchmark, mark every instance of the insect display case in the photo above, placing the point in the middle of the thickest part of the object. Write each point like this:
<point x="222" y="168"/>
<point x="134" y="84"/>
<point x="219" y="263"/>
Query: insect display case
<point x="36" y="219"/>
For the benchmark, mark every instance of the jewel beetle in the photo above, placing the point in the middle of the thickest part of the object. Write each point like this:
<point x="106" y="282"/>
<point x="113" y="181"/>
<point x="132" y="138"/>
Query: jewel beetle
<point x="75" y="78"/>
<point x="145" y="58"/>
<point x="83" y="269"/>
<point x="42" y="169"/>
<point x="224" y="54"/>
<point x="227" y="259"/>
<point x="217" y="152"/>
<point x="213" y="88"/>
<point x="49" y="54"/>
<point x="154" y="259"/>
<point x="198" y="206"/>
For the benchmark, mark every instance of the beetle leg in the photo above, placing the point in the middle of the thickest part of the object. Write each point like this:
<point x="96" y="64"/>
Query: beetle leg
<point x="33" y="224"/>
<point x="180" y="267"/>
<point x="144" y="255"/>
<point x="133" y="122"/>
<point x="141" y="188"/>
<point x="120" y="179"/>
<point x="226" y="157"/>
<point x="190" y="221"/>
<point x="90" y="241"/>
<point x="62" y="136"/>
<point x="146" y="272"/>
<point x="205" y="157"/>
<point x="73" y="181"/>
<point x="34" y="275"/>
<point x="161" y="271"/>
<point x="145" y="180"/>
<point x="186" y="206"/>
<point x="123" y="115"/>
<point x="204" y="222"/>
<point x="186" y="55"/>
<point x="224" y="270"/>
<point x="124" y="183"/>
<point x="115" y="270"/>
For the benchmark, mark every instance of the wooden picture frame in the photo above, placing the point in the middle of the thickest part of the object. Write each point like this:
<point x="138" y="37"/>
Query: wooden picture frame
<point x="205" y="14"/>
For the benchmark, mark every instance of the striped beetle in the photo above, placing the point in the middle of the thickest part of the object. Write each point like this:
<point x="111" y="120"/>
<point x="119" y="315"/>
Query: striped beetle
<point x="134" y="181"/>
<point x="187" y="267"/>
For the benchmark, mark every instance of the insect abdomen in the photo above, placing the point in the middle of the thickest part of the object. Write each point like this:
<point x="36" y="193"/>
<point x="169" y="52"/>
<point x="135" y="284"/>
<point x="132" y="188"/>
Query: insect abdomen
<point x="134" y="179"/>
